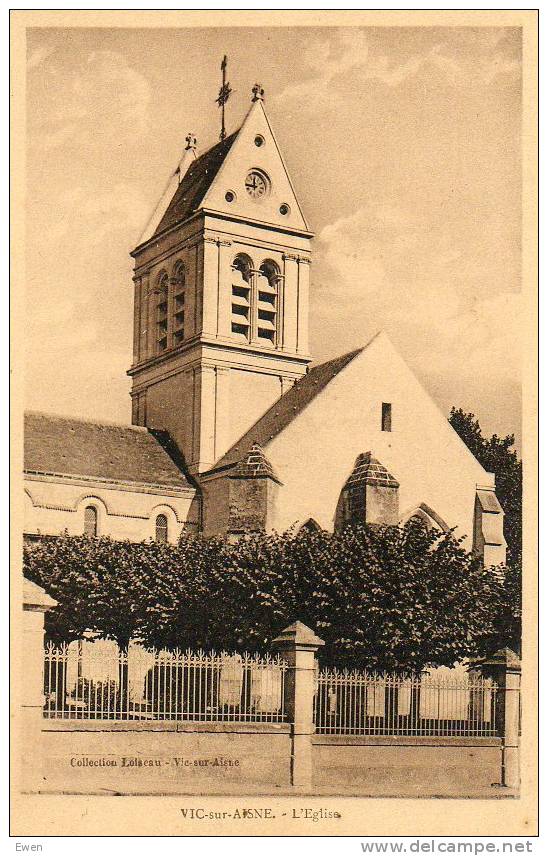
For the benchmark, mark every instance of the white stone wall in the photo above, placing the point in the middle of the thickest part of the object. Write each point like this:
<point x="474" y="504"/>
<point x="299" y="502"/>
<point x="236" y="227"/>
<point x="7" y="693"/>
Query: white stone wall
<point x="315" y="454"/>
<point x="53" y="504"/>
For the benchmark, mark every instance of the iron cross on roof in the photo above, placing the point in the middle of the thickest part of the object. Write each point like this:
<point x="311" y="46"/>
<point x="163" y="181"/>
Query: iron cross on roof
<point x="223" y="96"/>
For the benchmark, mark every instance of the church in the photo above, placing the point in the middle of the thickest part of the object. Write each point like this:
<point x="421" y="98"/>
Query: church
<point x="234" y="430"/>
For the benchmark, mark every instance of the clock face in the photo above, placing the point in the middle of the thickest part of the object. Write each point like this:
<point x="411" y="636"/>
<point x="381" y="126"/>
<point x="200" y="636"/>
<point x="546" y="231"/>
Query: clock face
<point x="256" y="184"/>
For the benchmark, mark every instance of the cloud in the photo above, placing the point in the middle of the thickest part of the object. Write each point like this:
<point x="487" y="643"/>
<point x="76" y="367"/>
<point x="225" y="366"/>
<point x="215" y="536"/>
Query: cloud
<point x="105" y="99"/>
<point x="107" y="84"/>
<point x="354" y="57"/>
<point x="487" y="337"/>
<point x="94" y="215"/>
<point x="385" y="267"/>
<point x="483" y="72"/>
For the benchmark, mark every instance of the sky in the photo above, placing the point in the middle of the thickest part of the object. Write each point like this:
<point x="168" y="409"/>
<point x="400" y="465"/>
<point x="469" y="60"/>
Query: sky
<point x="404" y="148"/>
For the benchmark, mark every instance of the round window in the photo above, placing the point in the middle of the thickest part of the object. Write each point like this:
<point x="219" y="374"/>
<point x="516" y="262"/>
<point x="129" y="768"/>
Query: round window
<point x="230" y="196"/>
<point x="259" y="141"/>
<point x="284" y="209"/>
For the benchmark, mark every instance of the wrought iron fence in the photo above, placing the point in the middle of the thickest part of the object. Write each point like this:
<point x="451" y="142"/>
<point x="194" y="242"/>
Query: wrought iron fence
<point x="95" y="680"/>
<point x="354" y="702"/>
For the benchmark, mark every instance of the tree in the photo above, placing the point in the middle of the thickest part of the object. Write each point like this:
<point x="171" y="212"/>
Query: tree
<point x="381" y="597"/>
<point x="98" y="583"/>
<point x="497" y="456"/>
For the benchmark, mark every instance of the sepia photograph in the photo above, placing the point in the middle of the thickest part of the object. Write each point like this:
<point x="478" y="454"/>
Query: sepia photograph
<point x="275" y="295"/>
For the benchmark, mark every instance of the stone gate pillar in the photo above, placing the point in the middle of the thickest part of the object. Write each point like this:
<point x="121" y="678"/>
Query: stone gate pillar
<point x="505" y="668"/>
<point x="298" y="645"/>
<point x="35" y="604"/>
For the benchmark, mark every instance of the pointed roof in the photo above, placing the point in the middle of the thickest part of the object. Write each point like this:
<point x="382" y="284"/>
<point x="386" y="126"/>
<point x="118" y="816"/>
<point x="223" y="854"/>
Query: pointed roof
<point x="254" y="465"/>
<point x="195" y="184"/>
<point x="367" y="470"/>
<point x="286" y="409"/>
<point x="488" y="500"/>
<point x="297" y="635"/>
<point x="256" y="148"/>
<point x="59" y="445"/>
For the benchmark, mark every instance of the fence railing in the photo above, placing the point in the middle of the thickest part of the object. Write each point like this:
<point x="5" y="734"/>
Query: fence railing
<point x="95" y="680"/>
<point x="386" y="704"/>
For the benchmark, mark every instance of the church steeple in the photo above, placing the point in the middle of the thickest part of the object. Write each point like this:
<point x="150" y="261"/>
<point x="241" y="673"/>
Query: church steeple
<point x="221" y="293"/>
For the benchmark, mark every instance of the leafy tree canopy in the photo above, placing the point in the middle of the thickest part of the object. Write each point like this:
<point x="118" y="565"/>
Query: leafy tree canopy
<point x="497" y="456"/>
<point x="381" y="597"/>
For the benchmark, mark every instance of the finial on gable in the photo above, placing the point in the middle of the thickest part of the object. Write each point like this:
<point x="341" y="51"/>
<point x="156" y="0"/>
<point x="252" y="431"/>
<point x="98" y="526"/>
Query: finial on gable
<point x="191" y="143"/>
<point x="258" y="92"/>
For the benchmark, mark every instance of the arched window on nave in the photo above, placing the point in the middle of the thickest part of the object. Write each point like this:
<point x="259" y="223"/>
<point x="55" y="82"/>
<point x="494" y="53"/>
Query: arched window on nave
<point x="161" y="529"/>
<point x="90" y="521"/>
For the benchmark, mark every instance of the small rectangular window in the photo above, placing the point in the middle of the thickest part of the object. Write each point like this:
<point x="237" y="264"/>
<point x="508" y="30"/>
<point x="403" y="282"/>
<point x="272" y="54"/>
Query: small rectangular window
<point x="386" y="420"/>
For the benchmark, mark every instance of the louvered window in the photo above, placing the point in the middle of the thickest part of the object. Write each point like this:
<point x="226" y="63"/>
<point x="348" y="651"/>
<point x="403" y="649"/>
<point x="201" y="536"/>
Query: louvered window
<point x="255" y="302"/>
<point x="179" y="283"/>
<point x="161" y="322"/>
<point x="241" y="299"/>
<point x="267" y="303"/>
<point x="161" y="529"/>
<point x="90" y="521"/>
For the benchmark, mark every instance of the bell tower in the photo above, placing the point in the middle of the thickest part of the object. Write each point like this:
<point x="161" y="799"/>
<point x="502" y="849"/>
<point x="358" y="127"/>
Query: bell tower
<point x="221" y="293"/>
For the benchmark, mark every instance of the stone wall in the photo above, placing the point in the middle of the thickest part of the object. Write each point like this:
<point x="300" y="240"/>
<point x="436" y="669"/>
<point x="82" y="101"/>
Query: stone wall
<point x="53" y="505"/>
<point x="152" y="757"/>
<point x="406" y="766"/>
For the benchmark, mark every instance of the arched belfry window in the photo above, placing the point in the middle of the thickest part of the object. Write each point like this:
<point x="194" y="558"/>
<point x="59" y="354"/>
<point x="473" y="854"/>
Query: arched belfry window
<point x="90" y="521"/>
<point x="242" y="284"/>
<point x="267" y="302"/>
<point x="255" y="301"/>
<point x="179" y="284"/>
<point x="161" y="529"/>
<point x="161" y="315"/>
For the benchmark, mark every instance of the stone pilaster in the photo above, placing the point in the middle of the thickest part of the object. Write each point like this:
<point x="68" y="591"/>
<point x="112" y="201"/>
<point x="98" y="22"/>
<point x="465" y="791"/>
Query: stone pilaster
<point x="144" y="331"/>
<point x="204" y="419"/>
<point x="222" y="411"/>
<point x="290" y="301"/>
<point x="136" y="319"/>
<point x="302" y="304"/>
<point x="210" y="287"/>
<point x="224" y="307"/>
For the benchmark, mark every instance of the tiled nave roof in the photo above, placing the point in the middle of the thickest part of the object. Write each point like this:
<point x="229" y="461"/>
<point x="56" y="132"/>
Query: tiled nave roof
<point x="119" y="453"/>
